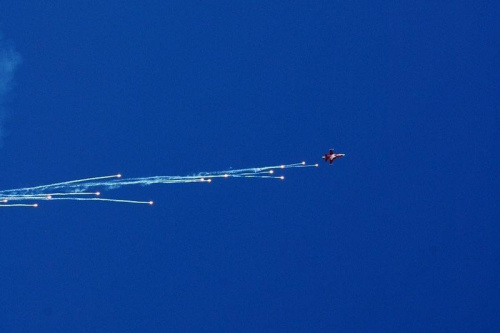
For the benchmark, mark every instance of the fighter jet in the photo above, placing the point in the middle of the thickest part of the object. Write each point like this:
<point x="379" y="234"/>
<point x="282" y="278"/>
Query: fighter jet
<point x="331" y="156"/>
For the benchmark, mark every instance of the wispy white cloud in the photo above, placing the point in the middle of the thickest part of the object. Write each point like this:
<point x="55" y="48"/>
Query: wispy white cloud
<point x="9" y="61"/>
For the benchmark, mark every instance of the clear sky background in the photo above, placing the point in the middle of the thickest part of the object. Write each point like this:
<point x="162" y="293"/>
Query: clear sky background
<point x="401" y="235"/>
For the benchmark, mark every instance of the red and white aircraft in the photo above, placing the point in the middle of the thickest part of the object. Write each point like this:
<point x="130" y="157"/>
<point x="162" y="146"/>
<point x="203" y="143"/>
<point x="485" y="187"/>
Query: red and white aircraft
<point x="331" y="156"/>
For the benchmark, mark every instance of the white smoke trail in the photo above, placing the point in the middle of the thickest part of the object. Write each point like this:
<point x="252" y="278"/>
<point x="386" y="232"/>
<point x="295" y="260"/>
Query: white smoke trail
<point x="105" y="200"/>
<point x="19" y="205"/>
<point x="74" y="190"/>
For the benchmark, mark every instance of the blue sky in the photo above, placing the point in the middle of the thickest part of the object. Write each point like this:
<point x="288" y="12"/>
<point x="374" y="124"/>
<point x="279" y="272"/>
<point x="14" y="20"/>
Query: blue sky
<point x="401" y="235"/>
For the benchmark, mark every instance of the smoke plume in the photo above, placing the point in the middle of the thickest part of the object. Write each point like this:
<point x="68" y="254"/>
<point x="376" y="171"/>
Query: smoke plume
<point x="9" y="61"/>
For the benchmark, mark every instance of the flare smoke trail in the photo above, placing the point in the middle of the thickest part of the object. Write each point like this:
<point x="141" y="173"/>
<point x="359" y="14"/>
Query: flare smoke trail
<point x="81" y="189"/>
<point x="9" y="61"/>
